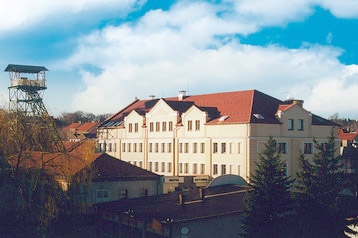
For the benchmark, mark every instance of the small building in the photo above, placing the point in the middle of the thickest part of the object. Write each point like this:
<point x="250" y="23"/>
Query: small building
<point x="109" y="179"/>
<point x="214" y="211"/>
<point x="349" y="150"/>
<point x="78" y="131"/>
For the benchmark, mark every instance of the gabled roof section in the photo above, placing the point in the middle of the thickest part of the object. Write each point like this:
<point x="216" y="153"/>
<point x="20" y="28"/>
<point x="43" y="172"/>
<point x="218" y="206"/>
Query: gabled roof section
<point x="25" y="69"/>
<point x="106" y="167"/>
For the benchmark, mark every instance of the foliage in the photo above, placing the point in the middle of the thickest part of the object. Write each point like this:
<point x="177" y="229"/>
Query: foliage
<point x="319" y="183"/>
<point x="67" y="118"/>
<point x="269" y="201"/>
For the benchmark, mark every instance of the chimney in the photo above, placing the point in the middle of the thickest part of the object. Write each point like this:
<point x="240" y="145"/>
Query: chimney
<point x="151" y="97"/>
<point x="181" y="95"/>
<point x="298" y="102"/>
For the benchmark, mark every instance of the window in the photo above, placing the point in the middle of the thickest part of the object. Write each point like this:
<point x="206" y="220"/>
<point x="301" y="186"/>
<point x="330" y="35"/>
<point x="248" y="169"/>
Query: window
<point x="109" y="147"/>
<point x="215" y="148"/>
<point x="223" y="148"/>
<point x="156" y="147"/>
<point x="230" y="169"/>
<point x="186" y="168"/>
<point x="169" y="167"/>
<point x="144" y="192"/>
<point x="238" y="169"/>
<point x="291" y="124"/>
<point x="135" y="127"/>
<point x="223" y="169"/>
<point x="215" y="169"/>
<point x="140" y="147"/>
<point x="239" y="147"/>
<point x="102" y="195"/>
<point x="123" y="194"/>
<point x="150" y="147"/>
<point x="231" y="148"/>
<point x="135" y="163"/>
<point x="141" y="164"/>
<point x="156" y="166"/>
<point x="157" y="126"/>
<point x="129" y="147"/>
<point x="163" y="147"/>
<point x="169" y="147"/>
<point x="180" y="167"/>
<point x="150" y="166"/>
<point x="202" y="147"/>
<point x="282" y="147"/>
<point x="151" y="127"/>
<point x="195" y="168"/>
<point x="190" y="125"/>
<point x="195" y="147"/>
<point x="202" y="168"/>
<point x="326" y="147"/>
<point x="115" y="147"/>
<point x="130" y="127"/>
<point x="186" y="148"/>
<point x="300" y="124"/>
<point x="170" y="126"/>
<point x="180" y="147"/>
<point x="163" y="166"/>
<point x="164" y="126"/>
<point x="134" y="147"/>
<point x="123" y="147"/>
<point x="197" y="125"/>
<point x="308" y="148"/>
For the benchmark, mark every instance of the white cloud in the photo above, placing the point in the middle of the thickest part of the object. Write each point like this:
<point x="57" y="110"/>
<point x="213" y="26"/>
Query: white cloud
<point x="192" y="47"/>
<point x="18" y="14"/>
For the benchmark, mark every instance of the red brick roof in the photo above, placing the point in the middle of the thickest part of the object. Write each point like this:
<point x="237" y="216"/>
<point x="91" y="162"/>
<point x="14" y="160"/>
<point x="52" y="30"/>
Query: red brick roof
<point x="349" y="136"/>
<point x="250" y="106"/>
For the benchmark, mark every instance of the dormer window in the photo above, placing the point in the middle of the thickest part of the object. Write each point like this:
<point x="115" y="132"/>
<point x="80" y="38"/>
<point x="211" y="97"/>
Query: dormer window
<point x="259" y="116"/>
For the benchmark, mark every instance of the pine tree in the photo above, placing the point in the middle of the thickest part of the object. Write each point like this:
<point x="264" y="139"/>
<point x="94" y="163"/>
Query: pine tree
<point x="269" y="200"/>
<point x="319" y="182"/>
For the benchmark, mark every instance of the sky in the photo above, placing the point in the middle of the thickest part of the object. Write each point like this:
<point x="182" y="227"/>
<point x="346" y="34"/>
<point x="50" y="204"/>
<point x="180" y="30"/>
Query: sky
<point x="102" y="54"/>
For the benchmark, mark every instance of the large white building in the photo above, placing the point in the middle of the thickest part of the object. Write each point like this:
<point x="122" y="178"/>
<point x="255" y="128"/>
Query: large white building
<point x="205" y="136"/>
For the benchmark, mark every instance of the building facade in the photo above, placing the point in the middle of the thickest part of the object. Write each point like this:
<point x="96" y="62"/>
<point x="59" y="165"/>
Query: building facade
<point x="205" y="136"/>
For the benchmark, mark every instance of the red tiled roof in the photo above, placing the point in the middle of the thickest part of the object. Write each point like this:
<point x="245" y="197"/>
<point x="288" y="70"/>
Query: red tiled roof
<point x="250" y="106"/>
<point x="87" y="126"/>
<point x="350" y="136"/>
<point x="72" y="126"/>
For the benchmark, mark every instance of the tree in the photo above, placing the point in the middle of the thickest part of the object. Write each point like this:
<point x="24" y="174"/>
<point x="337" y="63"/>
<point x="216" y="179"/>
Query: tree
<point x="319" y="183"/>
<point x="269" y="200"/>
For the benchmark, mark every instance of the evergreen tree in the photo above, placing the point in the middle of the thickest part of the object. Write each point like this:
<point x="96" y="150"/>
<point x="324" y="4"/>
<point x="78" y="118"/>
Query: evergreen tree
<point x="269" y="199"/>
<point x="319" y="182"/>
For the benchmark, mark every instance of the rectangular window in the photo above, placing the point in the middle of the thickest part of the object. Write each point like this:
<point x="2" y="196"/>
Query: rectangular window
<point x="140" y="147"/>
<point x="135" y="163"/>
<point x="186" y="148"/>
<point x="215" y="148"/>
<point x="239" y="148"/>
<point x="102" y="194"/>
<point x="186" y="168"/>
<point x="109" y="147"/>
<point x="170" y="126"/>
<point x="223" y="148"/>
<point x="135" y="127"/>
<point x="169" y="147"/>
<point x="282" y="147"/>
<point x="195" y="168"/>
<point x="164" y="126"/>
<point x="163" y="147"/>
<point x="238" y="170"/>
<point x="123" y="194"/>
<point x="156" y="147"/>
<point x="300" y="125"/>
<point x="308" y="148"/>
<point x="202" y="168"/>
<point x="115" y="147"/>
<point x="123" y="147"/>
<point x="141" y="164"/>
<point x="215" y="169"/>
<point x="134" y="147"/>
<point x="157" y="126"/>
<point x="195" y="147"/>
<point x="150" y="147"/>
<point x="180" y="147"/>
<point x="202" y="147"/>
<point x="150" y="166"/>
<point x="231" y="148"/>
<point x="291" y="124"/>
<point x="190" y="125"/>
<point x="181" y="168"/>
<point x="151" y="127"/>
<point x="130" y="127"/>
<point x="163" y="166"/>
<point x="129" y="147"/>
<point x="230" y="169"/>
<point x="156" y="166"/>
<point x="169" y="169"/>
<point x="197" y="125"/>
<point x="223" y="169"/>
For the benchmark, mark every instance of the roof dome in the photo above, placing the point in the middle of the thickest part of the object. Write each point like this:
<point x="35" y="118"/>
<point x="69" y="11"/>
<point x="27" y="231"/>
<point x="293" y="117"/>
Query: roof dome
<point x="228" y="179"/>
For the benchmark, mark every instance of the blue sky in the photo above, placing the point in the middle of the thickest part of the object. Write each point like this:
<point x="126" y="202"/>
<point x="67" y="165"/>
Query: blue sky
<point x="101" y="54"/>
